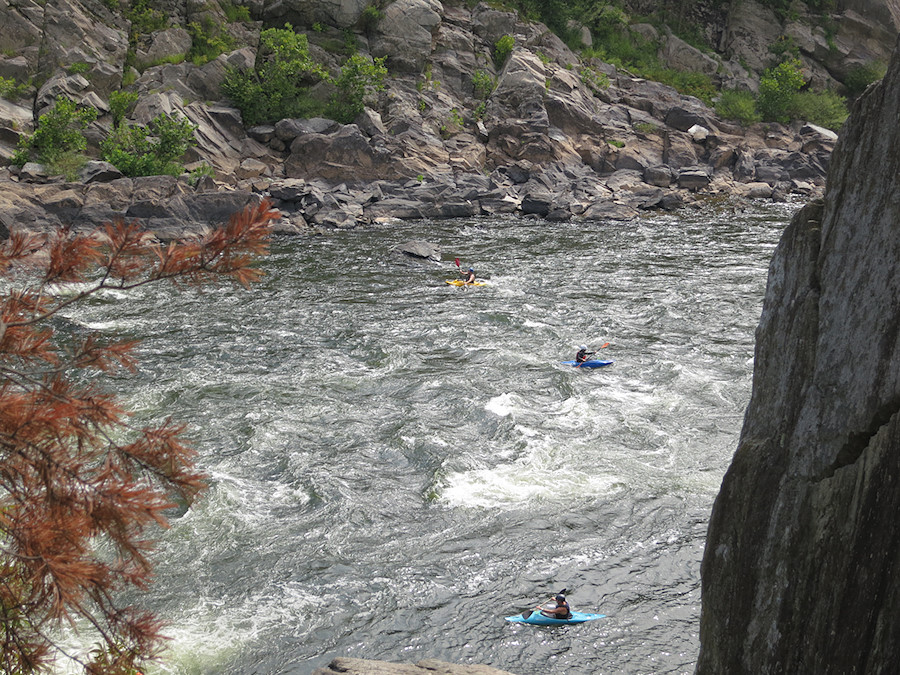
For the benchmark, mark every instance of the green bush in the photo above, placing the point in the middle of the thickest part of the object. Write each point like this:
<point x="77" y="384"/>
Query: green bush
<point x="156" y="149"/>
<point x="11" y="90"/>
<point x="739" y="106"/>
<point x="78" y="68"/>
<point x="235" y="13"/>
<point x="120" y="104"/>
<point x="278" y="86"/>
<point x="483" y="84"/>
<point x="59" y="135"/>
<point x="358" y="75"/>
<point x="826" y="108"/>
<point x="699" y="85"/>
<point x="862" y="76"/>
<point x="144" y="18"/>
<point x="502" y="49"/>
<point x="369" y="18"/>
<point x="208" y="40"/>
<point x="777" y="89"/>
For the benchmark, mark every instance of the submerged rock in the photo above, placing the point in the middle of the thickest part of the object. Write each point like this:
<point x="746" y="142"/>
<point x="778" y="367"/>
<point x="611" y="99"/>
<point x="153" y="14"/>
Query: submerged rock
<point x="348" y="666"/>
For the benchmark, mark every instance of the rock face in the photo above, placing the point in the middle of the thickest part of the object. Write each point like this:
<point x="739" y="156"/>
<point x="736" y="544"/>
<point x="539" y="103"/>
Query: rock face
<point x="799" y="573"/>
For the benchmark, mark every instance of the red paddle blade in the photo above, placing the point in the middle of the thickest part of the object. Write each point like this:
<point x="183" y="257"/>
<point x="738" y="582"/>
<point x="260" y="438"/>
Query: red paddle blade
<point x="604" y="345"/>
<point x="457" y="262"/>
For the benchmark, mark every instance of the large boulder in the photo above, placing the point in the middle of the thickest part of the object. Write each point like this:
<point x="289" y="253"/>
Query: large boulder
<point x="406" y="32"/>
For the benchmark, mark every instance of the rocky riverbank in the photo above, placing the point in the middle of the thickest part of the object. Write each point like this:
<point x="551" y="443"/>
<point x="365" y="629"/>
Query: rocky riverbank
<point x="557" y="137"/>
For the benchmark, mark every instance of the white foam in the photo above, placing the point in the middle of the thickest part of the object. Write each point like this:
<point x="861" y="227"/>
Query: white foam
<point x="502" y="405"/>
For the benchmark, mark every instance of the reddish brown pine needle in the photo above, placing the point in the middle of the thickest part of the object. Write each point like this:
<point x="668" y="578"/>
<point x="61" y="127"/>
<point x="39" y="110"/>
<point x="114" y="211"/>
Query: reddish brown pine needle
<point x="66" y="487"/>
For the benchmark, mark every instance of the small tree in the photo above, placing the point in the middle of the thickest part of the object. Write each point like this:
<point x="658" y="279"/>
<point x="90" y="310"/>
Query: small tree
<point x="79" y="485"/>
<point x="277" y="86"/>
<point x="358" y="75"/>
<point x="156" y="149"/>
<point x="777" y="88"/>
<point x="59" y="134"/>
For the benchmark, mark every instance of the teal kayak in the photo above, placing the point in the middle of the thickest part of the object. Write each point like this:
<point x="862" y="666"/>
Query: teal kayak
<point x="587" y="364"/>
<point x="538" y="619"/>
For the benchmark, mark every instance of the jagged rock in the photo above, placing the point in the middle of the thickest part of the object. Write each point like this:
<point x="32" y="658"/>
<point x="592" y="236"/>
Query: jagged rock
<point x="536" y="201"/>
<point x="660" y="176"/>
<point x="172" y="41"/>
<point x="491" y="24"/>
<point x="698" y="133"/>
<point x="683" y="119"/>
<point x="751" y="29"/>
<point x="801" y="550"/>
<point x="340" y="13"/>
<point x="98" y="172"/>
<point x="677" y="54"/>
<point x="419" y="248"/>
<point x="693" y="178"/>
<point x="288" y="129"/>
<point x="405" y="32"/>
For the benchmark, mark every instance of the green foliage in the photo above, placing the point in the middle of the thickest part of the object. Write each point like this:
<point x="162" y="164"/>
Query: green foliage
<point x="208" y="40"/>
<point x="59" y="134"/>
<point x="358" y="76"/>
<point x="739" y="106"/>
<point x="593" y="78"/>
<point x="687" y="83"/>
<point x="862" y="76"/>
<point x="120" y="104"/>
<point x="826" y="108"/>
<point x="78" y="68"/>
<point x="554" y="14"/>
<point x="200" y="172"/>
<point x="153" y="150"/>
<point x="784" y="47"/>
<point x="277" y="87"/>
<point x="777" y="89"/>
<point x="144" y="18"/>
<point x="502" y="49"/>
<point x="235" y="13"/>
<point x="645" y="128"/>
<point x="369" y="18"/>
<point x="11" y="90"/>
<point x="483" y="83"/>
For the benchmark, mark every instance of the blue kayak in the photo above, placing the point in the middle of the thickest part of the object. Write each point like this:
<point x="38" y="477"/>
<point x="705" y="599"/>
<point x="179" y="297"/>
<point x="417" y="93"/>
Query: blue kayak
<point x="538" y="619"/>
<point x="588" y="364"/>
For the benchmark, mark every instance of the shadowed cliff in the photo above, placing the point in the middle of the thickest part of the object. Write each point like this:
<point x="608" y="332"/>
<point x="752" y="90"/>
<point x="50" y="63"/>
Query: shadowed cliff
<point x="803" y="544"/>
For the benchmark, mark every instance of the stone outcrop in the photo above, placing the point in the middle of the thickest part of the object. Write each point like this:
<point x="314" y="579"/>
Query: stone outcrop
<point x="799" y="573"/>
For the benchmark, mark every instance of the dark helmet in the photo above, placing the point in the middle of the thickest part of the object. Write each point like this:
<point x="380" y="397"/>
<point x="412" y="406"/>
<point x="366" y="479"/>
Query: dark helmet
<point x="560" y="598"/>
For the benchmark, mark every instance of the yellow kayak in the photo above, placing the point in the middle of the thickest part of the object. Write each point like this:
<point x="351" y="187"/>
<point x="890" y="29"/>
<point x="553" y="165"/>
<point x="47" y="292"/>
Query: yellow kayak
<point x="460" y="282"/>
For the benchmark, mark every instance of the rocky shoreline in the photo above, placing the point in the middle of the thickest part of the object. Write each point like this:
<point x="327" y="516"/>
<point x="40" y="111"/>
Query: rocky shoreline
<point x="559" y="191"/>
<point x="557" y="137"/>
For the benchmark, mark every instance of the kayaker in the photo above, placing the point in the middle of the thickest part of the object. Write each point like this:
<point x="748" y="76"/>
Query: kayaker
<point x="469" y="277"/>
<point x="561" y="611"/>
<point x="583" y="354"/>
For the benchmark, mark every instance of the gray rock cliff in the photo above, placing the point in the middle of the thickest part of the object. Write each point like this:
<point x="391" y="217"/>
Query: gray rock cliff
<point x="799" y="573"/>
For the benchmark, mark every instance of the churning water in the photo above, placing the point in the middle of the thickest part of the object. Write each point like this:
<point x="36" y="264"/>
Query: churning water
<point x="397" y="464"/>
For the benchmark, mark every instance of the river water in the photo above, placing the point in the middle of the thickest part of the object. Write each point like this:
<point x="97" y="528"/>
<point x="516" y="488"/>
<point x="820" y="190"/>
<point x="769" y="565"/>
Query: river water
<point x="397" y="464"/>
